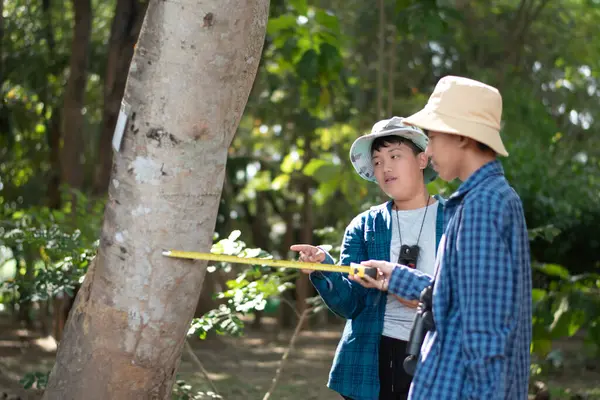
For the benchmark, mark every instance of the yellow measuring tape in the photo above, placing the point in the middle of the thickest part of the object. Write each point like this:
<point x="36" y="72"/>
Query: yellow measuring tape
<point x="354" y="269"/>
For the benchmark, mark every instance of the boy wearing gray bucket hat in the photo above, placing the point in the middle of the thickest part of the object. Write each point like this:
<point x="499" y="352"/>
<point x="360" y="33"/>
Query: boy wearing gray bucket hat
<point x="368" y="361"/>
<point x="480" y="332"/>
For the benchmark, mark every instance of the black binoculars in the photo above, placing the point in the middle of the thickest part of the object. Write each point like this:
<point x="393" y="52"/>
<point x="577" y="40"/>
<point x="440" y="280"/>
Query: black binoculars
<point x="422" y="323"/>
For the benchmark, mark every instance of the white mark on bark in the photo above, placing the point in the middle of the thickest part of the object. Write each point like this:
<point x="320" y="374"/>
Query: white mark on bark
<point x="115" y="183"/>
<point x="219" y="61"/>
<point x="136" y="321"/>
<point x="146" y="170"/>
<point x="140" y="211"/>
<point x="250" y="60"/>
<point x="119" y="237"/>
<point x="157" y="308"/>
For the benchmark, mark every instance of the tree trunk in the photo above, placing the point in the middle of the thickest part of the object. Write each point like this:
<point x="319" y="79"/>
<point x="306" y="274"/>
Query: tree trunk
<point x="303" y="285"/>
<point x="286" y="315"/>
<point x="53" y="125"/>
<point x="72" y="117"/>
<point x="71" y="170"/>
<point x="4" y="113"/>
<point x="126" y="25"/>
<point x="53" y="137"/>
<point x="188" y="84"/>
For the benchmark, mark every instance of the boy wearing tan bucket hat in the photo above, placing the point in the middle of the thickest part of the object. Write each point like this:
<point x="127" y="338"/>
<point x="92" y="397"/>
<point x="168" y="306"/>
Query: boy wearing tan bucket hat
<point x="478" y="342"/>
<point x="368" y="361"/>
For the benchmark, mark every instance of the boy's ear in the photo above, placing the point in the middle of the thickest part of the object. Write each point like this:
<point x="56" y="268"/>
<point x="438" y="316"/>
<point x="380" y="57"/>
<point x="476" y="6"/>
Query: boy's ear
<point x="463" y="141"/>
<point x="423" y="160"/>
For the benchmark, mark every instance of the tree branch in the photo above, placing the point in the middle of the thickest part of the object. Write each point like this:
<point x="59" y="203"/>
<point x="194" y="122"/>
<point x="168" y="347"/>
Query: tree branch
<point x="198" y="363"/>
<point x="287" y="353"/>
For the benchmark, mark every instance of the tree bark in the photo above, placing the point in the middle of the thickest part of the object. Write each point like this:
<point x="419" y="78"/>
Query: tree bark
<point x="188" y="84"/>
<point x="72" y="117"/>
<point x="124" y="32"/>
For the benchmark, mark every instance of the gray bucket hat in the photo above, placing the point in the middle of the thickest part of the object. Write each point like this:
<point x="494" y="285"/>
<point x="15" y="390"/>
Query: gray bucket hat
<point x="360" y="152"/>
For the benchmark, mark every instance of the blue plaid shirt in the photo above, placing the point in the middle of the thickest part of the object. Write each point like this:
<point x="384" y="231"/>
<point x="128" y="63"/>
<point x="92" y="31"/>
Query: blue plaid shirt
<point x="481" y="297"/>
<point x="355" y="369"/>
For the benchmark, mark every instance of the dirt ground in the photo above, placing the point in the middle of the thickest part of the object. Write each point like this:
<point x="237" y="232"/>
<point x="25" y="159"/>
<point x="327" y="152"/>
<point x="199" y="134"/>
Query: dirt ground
<point x="243" y="368"/>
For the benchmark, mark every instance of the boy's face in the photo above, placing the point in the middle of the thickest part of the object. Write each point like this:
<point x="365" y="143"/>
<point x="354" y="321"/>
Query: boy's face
<point x="446" y="154"/>
<point x="399" y="172"/>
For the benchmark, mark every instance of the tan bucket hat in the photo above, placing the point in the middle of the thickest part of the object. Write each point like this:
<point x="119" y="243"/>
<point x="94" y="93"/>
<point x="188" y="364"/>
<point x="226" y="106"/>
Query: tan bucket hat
<point x="465" y="107"/>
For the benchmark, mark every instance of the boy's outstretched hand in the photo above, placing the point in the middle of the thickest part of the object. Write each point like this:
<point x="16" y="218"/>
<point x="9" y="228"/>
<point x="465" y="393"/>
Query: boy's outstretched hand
<point x="309" y="253"/>
<point x="383" y="277"/>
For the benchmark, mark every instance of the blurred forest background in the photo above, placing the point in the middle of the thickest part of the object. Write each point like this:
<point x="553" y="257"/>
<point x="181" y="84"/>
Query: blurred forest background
<point x="329" y="70"/>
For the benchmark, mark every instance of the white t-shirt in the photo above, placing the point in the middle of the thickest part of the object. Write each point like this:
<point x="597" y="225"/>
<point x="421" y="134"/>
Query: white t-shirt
<point x="398" y="318"/>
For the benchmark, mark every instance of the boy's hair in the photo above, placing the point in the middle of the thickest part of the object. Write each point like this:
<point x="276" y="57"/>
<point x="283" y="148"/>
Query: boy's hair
<point x="484" y="147"/>
<point x="480" y="146"/>
<point x="386" y="141"/>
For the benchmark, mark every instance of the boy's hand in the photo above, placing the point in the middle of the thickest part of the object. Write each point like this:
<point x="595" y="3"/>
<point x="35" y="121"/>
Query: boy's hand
<point x="383" y="277"/>
<point x="309" y="253"/>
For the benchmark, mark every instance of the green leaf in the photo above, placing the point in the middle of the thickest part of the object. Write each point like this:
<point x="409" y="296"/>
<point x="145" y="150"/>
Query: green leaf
<point x="300" y="6"/>
<point x="330" y="60"/>
<point x="313" y="166"/>
<point x="27" y="381"/>
<point x="327" y="20"/>
<point x="538" y="295"/>
<point x="290" y="163"/>
<point x="280" y="182"/>
<point x="567" y="321"/>
<point x="554" y="270"/>
<point x="234" y="235"/>
<point x="276" y="25"/>
<point x="328" y="173"/>
<point x="323" y="171"/>
<point x="541" y="347"/>
<point x="308" y="66"/>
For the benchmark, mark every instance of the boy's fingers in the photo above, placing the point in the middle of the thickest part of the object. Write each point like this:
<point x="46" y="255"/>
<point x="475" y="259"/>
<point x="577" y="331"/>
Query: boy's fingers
<point x="372" y="282"/>
<point x="299" y="247"/>
<point x="373" y="263"/>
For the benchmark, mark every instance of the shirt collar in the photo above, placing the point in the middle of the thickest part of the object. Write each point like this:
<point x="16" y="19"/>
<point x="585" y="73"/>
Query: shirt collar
<point x="492" y="168"/>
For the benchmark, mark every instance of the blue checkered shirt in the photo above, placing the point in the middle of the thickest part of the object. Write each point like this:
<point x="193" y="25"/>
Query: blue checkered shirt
<point x="481" y="297"/>
<point x="355" y="369"/>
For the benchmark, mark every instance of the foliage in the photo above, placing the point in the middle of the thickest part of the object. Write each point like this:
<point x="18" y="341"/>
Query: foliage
<point x="37" y="380"/>
<point x="569" y="304"/>
<point x="184" y="391"/>
<point x="53" y="256"/>
<point x="250" y="291"/>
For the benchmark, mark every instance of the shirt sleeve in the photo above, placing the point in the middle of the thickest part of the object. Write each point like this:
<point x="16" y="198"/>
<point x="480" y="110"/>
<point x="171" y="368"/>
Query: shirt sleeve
<point x="341" y="295"/>
<point x="486" y="287"/>
<point x="408" y="283"/>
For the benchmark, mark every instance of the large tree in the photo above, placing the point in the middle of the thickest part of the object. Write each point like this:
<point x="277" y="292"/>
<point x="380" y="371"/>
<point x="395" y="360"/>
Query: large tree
<point x="189" y="80"/>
